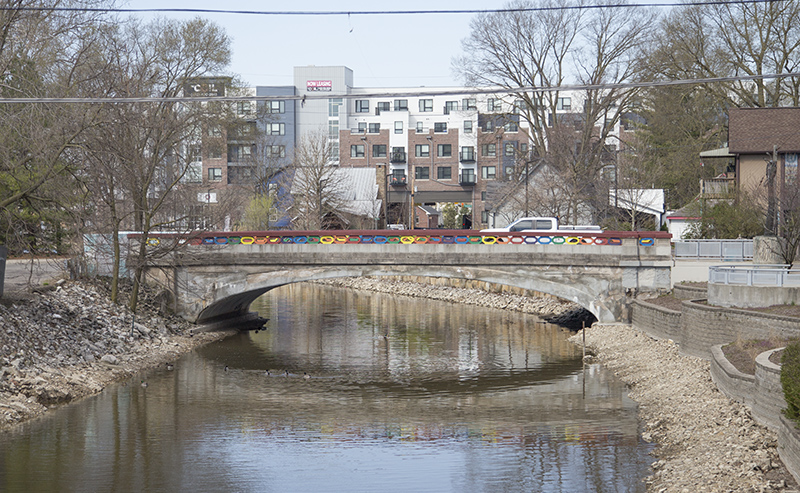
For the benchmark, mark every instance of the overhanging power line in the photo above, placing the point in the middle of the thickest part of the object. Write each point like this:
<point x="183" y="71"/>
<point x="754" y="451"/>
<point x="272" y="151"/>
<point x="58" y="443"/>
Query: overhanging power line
<point x="415" y="93"/>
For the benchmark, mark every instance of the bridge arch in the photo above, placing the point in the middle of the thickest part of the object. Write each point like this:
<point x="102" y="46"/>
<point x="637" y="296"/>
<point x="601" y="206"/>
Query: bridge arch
<point x="217" y="280"/>
<point x="591" y="294"/>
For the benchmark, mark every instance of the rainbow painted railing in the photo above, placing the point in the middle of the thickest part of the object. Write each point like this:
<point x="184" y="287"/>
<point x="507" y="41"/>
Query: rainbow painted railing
<point x="405" y="237"/>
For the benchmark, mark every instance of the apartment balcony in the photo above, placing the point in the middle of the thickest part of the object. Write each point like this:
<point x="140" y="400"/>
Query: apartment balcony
<point x="397" y="180"/>
<point x="398" y="157"/>
<point x="466" y="157"/>
<point x="717" y="188"/>
<point x="466" y="179"/>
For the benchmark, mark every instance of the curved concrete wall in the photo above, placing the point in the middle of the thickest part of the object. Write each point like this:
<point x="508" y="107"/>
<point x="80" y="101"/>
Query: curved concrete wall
<point x="685" y="292"/>
<point x="751" y="296"/>
<point x="700" y="327"/>
<point x="730" y="381"/>
<point x="656" y="321"/>
<point x="769" y="401"/>
<point x="761" y="392"/>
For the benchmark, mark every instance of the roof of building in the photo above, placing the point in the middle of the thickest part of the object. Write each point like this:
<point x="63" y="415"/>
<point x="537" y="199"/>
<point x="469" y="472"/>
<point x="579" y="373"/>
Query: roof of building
<point x="428" y="210"/>
<point x="757" y="130"/>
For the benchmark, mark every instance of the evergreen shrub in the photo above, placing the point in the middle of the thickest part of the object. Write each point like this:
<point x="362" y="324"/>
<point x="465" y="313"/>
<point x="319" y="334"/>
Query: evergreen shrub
<point x="790" y="380"/>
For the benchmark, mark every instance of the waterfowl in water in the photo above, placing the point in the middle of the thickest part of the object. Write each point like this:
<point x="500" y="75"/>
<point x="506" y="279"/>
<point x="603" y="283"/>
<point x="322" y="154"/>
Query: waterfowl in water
<point x="144" y="384"/>
<point x="170" y="366"/>
<point x="306" y="376"/>
<point x="286" y="373"/>
<point x="268" y="373"/>
<point x="226" y="367"/>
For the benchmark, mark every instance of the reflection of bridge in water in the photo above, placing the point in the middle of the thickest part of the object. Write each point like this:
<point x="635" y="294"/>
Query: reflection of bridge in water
<point x="218" y="275"/>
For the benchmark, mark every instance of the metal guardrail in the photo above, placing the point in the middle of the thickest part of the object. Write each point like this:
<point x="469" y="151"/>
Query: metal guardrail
<point x="761" y="275"/>
<point x="714" y="249"/>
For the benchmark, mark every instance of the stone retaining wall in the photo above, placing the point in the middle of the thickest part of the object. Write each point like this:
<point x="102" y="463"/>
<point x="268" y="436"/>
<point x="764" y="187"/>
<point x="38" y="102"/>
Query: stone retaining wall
<point x="789" y="446"/>
<point x="686" y="292"/>
<point x="769" y="403"/>
<point x="761" y="392"/>
<point x="656" y="321"/>
<point x="730" y="381"/>
<point x="698" y="327"/>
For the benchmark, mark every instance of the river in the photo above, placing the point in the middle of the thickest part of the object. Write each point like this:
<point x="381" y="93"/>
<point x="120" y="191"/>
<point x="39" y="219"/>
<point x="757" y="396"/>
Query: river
<point x="365" y="392"/>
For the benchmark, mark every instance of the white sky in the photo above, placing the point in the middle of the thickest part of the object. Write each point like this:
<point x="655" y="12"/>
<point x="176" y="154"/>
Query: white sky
<point x="382" y="50"/>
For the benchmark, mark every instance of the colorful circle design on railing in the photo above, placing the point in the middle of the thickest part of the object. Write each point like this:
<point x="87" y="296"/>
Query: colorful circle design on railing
<point x="493" y="239"/>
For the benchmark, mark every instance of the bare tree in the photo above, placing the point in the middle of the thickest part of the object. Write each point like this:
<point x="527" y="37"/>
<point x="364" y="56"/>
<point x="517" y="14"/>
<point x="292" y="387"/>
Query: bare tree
<point x="144" y="144"/>
<point x="733" y="39"/>
<point x="316" y="190"/>
<point x="43" y="53"/>
<point x="518" y="49"/>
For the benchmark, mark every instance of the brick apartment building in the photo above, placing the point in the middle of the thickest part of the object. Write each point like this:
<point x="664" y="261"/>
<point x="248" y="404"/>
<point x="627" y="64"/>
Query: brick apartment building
<point x="427" y="150"/>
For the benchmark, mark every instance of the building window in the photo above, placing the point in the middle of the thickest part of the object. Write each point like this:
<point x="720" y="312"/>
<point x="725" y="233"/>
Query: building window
<point x="483" y="196"/>
<point x="489" y="150"/>
<point x="195" y="153"/>
<point x="511" y="127"/>
<point x="509" y="148"/>
<point x="450" y="106"/>
<point x="440" y="127"/>
<point x="384" y="106"/>
<point x="469" y="104"/>
<point x="426" y="105"/>
<point x="237" y="153"/>
<point x="564" y="104"/>
<point x="488" y="172"/>
<point x="333" y="107"/>
<point x="422" y="150"/>
<point x="398" y="127"/>
<point x="194" y="173"/>
<point x="420" y="127"/>
<point x="523" y="148"/>
<point x="214" y="131"/>
<point x="374" y="128"/>
<point x="467" y="126"/>
<point x="422" y="173"/>
<point x="243" y="108"/>
<point x="362" y="106"/>
<point x="401" y="104"/>
<point x="276" y="128"/>
<point x="489" y="126"/>
<point x="333" y="129"/>
<point x="468" y="153"/>
<point x="214" y="174"/>
<point x="362" y="127"/>
<point x="509" y="171"/>
<point x="485" y="217"/>
<point x="494" y="105"/>
<point x="444" y="173"/>
<point x="379" y="150"/>
<point x="357" y="150"/>
<point x="275" y="151"/>
<point x="276" y="106"/>
<point x="444" y="150"/>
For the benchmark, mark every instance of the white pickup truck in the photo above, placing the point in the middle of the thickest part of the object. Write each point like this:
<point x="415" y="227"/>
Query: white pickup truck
<point x="543" y="225"/>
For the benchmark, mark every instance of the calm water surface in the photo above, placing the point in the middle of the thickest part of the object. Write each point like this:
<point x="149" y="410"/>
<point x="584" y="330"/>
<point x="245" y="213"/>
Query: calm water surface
<point x="402" y="395"/>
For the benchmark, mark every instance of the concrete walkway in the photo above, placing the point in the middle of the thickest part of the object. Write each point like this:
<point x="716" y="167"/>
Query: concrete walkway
<point x="697" y="270"/>
<point x="19" y="272"/>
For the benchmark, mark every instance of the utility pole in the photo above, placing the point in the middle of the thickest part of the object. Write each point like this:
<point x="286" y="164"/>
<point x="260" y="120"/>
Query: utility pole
<point x="771" y="227"/>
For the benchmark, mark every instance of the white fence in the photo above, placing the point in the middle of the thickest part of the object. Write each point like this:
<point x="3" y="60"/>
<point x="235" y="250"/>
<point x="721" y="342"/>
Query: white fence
<point x="761" y="275"/>
<point x="714" y="249"/>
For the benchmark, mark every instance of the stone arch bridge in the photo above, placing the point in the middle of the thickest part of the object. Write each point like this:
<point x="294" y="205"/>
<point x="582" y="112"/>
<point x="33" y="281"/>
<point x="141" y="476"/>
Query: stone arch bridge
<point x="216" y="276"/>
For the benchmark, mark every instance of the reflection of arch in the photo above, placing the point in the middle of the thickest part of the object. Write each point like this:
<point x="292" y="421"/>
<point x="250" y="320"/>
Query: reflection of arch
<point x="591" y="290"/>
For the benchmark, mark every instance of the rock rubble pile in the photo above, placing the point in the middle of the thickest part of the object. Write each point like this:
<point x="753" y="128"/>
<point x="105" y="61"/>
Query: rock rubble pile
<point x="705" y="441"/>
<point x="551" y="309"/>
<point x="69" y="342"/>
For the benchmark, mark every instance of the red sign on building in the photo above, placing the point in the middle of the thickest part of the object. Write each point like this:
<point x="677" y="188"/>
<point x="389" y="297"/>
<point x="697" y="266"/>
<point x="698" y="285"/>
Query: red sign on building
<point x="319" y="85"/>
